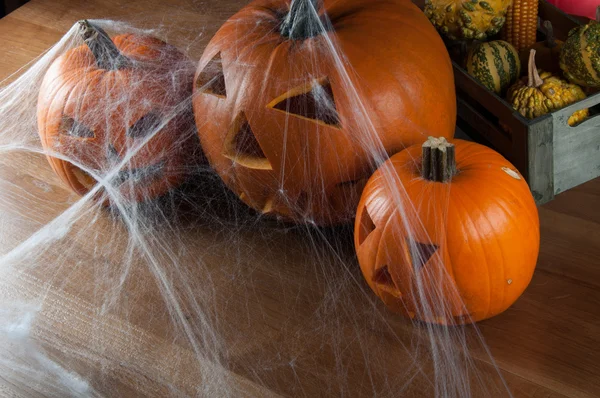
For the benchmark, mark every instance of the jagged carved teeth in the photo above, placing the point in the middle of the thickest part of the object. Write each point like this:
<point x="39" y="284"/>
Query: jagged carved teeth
<point x="139" y="174"/>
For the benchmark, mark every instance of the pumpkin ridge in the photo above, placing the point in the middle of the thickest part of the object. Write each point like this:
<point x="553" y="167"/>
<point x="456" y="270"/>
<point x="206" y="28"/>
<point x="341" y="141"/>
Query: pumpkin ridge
<point x="505" y="189"/>
<point x="510" y="215"/>
<point x="54" y="98"/>
<point x="96" y="76"/>
<point x="63" y="59"/>
<point x="506" y="210"/>
<point x="467" y="215"/>
<point x="269" y="67"/>
<point x="66" y="98"/>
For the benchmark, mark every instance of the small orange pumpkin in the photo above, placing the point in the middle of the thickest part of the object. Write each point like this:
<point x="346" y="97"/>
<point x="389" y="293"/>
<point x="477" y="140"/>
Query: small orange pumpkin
<point x="547" y="51"/>
<point x="101" y="100"/>
<point x="282" y="92"/>
<point x="447" y="233"/>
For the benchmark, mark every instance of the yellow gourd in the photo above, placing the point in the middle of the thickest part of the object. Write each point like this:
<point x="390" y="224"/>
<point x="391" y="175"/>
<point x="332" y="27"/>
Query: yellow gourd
<point x="467" y="19"/>
<point x="541" y="93"/>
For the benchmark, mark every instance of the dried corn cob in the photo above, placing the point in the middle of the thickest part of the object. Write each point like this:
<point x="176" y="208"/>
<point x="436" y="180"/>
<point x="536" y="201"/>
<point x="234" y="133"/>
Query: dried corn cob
<point x="521" y="24"/>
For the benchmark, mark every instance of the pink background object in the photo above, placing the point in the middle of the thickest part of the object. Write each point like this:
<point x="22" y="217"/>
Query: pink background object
<point x="586" y="8"/>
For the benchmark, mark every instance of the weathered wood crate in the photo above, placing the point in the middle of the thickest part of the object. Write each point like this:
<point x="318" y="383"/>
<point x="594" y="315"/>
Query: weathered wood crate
<point x="552" y="156"/>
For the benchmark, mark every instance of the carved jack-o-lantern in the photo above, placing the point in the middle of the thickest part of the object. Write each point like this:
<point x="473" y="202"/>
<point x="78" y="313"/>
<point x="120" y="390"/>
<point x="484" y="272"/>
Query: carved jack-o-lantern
<point x="111" y="107"/>
<point x="293" y="101"/>
<point x="452" y="237"/>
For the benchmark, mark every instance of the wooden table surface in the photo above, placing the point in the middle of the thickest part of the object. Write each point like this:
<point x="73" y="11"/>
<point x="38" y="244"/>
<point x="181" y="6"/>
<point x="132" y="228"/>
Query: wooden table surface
<point x="285" y="329"/>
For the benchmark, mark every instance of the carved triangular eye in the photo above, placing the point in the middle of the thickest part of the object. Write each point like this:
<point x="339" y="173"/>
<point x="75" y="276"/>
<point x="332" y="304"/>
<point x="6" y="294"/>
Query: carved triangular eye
<point x="145" y="125"/>
<point x="212" y="80"/>
<point x="366" y="226"/>
<point x="420" y="253"/>
<point x="73" y="128"/>
<point x="383" y="279"/>
<point x="313" y="101"/>
<point x="242" y="147"/>
<point x="382" y="276"/>
<point x="112" y="154"/>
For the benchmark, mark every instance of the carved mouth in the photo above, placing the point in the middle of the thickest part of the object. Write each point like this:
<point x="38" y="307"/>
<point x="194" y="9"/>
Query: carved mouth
<point x="139" y="174"/>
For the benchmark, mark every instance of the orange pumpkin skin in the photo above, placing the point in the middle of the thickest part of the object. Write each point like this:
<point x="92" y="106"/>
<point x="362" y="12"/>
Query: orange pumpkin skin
<point x="306" y="169"/>
<point x="93" y="117"/>
<point x="477" y="236"/>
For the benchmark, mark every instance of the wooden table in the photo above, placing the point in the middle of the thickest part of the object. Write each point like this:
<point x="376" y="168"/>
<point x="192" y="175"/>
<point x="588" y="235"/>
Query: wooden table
<point x="289" y="315"/>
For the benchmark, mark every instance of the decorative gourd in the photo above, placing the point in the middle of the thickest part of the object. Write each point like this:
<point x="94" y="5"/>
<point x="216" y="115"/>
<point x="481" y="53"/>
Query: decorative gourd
<point x="290" y="128"/>
<point x="467" y="19"/>
<point x="474" y="238"/>
<point x="547" y="52"/>
<point x="100" y="101"/>
<point x="580" y="55"/>
<point x="495" y="65"/>
<point x="520" y="28"/>
<point x="542" y="93"/>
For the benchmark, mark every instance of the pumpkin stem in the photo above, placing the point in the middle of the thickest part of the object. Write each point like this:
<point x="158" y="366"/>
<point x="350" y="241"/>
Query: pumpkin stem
<point x="534" y="77"/>
<point x="439" y="161"/>
<point x="302" y="21"/>
<point x="550" y="39"/>
<point x="100" y="44"/>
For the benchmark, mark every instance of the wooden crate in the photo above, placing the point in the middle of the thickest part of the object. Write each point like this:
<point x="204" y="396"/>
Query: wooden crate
<point x="552" y="156"/>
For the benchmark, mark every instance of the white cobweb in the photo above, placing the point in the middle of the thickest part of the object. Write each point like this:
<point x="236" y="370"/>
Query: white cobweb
<point x="194" y="294"/>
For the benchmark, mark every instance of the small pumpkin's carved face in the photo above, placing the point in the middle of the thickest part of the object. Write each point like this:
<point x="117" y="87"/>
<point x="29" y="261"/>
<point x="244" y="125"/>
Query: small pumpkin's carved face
<point x="448" y="252"/>
<point x="406" y="268"/>
<point x="116" y="123"/>
<point x="285" y="124"/>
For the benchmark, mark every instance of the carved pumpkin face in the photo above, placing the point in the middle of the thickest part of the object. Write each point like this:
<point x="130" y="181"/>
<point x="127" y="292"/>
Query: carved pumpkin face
<point x="121" y="123"/>
<point x="282" y="120"/>
<point x="448" y="252"/>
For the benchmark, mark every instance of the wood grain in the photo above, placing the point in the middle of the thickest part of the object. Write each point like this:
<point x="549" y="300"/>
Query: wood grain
<point x="288" y="331"/>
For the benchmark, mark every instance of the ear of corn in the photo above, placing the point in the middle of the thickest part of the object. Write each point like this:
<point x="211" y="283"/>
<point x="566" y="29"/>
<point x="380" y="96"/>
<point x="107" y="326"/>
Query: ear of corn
<point x="521" y="24"/>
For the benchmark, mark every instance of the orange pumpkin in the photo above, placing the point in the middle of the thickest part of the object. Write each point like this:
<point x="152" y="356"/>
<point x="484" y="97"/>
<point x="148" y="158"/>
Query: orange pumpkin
<point x="447" y="233"/>
<point x="111" y="107"/>
<point x="547" y="51"/>
<point x="282" y="92"/>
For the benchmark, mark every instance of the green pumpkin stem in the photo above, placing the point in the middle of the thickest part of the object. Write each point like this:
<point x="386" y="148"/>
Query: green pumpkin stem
<point x="439" y="160"/>
<point x="535" y="80"/>
<point x="302" y="21"/>
<point x="550" y="39"/>
<point x="100" y="44"/>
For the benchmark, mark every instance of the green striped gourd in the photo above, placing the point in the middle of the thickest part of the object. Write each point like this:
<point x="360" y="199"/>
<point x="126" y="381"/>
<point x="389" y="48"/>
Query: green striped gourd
<point x="580" y="55"/>
<point x="496" y="65"/>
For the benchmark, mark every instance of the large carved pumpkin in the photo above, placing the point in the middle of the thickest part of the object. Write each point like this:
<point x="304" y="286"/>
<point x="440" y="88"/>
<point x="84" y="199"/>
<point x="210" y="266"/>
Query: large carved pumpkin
<point x="291" y="115"/>
<point x="447" y="233"/>
<point x="117" y="108"/>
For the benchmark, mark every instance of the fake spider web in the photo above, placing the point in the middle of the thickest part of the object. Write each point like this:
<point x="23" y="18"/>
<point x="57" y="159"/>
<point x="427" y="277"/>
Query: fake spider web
<point x="194" y="293"/>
